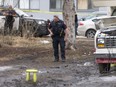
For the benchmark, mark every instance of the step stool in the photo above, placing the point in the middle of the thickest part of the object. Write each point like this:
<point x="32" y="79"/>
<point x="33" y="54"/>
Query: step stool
<point x="34" y="72"/>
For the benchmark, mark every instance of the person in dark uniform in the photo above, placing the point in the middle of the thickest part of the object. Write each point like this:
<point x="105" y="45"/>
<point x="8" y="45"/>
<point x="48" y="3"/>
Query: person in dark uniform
<point x="57" y="29"/>
<point x="9" y="20"/>
<point x="76" y="24"/>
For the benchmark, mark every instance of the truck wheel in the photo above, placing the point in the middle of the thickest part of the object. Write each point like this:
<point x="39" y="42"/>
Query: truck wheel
<point x="104" y="68"/>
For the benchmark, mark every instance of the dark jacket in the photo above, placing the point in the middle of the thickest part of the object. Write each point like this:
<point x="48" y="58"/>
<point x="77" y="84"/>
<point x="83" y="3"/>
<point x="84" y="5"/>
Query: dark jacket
<point x="58" y="28"/>
<point x="10" y="16"/>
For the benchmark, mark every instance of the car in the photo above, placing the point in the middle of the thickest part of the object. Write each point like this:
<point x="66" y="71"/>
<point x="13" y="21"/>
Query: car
<point x="39" y="26"/>
<point x="19" y="13"/>
<point x="93" y="15"/>
<point x="89" y="27"/>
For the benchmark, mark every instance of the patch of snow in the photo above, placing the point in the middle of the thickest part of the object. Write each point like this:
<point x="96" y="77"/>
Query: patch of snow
<point x="79" y="65"/>
<point x="88" y="64"/>
<point x="4" y="68"/>
<point x="41" y="72"/>
<point x="45" y="42"/>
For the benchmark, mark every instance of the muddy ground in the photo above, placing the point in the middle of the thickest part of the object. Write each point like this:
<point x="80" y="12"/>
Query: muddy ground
<point x="79" y="70"/>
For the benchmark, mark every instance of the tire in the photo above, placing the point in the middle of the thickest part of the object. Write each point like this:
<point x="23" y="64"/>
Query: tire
<point x="104" y="67"/>
<point x="90" y="33"/>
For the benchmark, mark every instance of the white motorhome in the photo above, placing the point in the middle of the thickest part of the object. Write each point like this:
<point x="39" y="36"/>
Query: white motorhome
<point x="105" y="38"/>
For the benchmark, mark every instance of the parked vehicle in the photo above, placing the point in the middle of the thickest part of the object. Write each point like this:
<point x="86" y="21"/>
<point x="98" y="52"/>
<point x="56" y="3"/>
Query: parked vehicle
<point x="105" y="44"/>
<point x="88" y="28"/>
<point x="105" y="48"/>
<point x="93" y="15"/>
<point x="105" y="39"/>
<point x="42" y="28"/>
<point x="39" y="24"/>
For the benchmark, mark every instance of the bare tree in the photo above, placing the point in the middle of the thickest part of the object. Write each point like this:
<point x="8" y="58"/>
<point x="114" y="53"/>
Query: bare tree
<point x="69" y="19"/>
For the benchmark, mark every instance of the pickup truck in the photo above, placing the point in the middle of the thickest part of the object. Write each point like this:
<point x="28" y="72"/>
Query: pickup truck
<point x="105" y="38"/>
<point x="105" y="44"/>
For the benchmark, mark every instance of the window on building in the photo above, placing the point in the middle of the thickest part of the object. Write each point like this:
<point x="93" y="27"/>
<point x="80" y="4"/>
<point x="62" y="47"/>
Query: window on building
<point x="8" y="2"/>
<point x="24" y="4"/>
<point x="34" y="4"/>
<point x="1" y="2"/>
<point x="16" y="3"/>
<point x="29" y="4"/>
<point x="84" y="4"/>
<point x="56" y="4"/>
<point x="89" y="4"/>
<point x="52" y="4"/>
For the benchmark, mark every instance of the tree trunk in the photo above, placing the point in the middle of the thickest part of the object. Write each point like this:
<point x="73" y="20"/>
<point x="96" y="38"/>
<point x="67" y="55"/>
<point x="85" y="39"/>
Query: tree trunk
<point x="69" y="19"/>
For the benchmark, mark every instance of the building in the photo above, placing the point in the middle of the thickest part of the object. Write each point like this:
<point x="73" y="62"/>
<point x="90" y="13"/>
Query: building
<point x="104" y="3"/>
<point x="84" y="4"/>
<point x="110" y="5"/>
<point x="46" y="5"/>
<point x="39" y="8"/>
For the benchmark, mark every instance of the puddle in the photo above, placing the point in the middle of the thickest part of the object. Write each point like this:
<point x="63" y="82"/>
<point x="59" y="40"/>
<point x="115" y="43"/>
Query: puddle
<point x="4" y="68"/>
<point x="85" y="64"/>
<point x="109" y="78"/>
<point x="96" y="79"/>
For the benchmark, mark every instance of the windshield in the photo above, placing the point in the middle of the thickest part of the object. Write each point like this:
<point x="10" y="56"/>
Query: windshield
<point x="89" y="17"/>
<point x="94" y="15"/>
<point x="20" y="12"/>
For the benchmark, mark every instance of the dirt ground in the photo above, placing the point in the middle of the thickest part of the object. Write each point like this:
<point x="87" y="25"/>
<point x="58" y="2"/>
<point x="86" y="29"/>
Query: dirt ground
<point x="18" y="54"/>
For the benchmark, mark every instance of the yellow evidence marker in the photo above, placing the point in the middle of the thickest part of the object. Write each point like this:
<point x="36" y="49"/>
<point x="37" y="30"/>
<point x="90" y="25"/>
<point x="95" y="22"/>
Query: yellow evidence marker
<point x="34" y="72"/>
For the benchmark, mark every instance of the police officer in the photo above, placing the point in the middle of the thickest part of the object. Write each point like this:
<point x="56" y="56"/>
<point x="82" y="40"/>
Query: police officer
<point x="57" y="29"/>
<point x="9" y="20"/>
